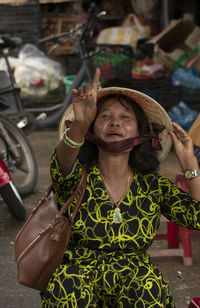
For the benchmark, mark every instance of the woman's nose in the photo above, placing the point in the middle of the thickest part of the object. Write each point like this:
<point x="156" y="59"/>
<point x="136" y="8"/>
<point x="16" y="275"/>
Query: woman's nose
<point x="114" y="123"/>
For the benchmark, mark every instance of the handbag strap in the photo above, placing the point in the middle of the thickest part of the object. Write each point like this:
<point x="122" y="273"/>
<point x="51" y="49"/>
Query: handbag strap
<point x="80" y="188"/>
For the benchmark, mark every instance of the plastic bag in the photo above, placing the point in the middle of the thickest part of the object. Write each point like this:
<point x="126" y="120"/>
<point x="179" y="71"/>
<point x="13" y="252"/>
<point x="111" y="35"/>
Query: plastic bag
<point x="187" y="77"/>
<point x="150" y="9"/>
<point x="14" y="62"/>
<point x="30" y="50"/>
<point x="37" y="75"/>
<point x="127" y="34"/>
<point x="183" y="115"/>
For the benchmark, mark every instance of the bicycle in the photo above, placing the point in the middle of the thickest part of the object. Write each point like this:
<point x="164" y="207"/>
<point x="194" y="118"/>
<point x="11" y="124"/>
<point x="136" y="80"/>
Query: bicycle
<point x="115" y="61"/>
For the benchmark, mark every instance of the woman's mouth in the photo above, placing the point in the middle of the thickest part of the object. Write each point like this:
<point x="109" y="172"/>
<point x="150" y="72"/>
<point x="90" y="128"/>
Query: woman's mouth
<point x="114" y="134"/>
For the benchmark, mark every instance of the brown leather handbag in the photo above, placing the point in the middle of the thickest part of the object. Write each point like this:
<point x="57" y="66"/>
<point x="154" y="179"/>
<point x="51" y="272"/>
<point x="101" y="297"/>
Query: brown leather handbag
<point x="41" y="242"/>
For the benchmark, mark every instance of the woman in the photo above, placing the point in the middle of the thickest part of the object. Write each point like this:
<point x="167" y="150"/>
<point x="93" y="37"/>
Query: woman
<point x="126" y="135"/>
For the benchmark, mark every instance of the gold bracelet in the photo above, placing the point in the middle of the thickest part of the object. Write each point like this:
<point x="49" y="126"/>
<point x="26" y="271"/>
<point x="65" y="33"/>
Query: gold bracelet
<point x="70" y="142"/>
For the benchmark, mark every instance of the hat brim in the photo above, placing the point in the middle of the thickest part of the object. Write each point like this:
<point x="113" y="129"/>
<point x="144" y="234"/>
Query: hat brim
<point x="153" y="110"/>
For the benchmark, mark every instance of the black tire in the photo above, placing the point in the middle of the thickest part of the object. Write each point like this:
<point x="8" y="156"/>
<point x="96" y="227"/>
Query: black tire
<point x="24" y="170"/>
<point x="13" y="200"/>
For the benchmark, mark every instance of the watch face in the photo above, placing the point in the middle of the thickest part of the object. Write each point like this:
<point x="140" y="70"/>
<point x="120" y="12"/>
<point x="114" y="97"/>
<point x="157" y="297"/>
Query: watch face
<point x="188" y="174"/>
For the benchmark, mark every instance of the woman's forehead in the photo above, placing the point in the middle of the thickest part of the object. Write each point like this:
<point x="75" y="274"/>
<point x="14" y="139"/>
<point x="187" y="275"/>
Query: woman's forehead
<point x="110" y="101"/>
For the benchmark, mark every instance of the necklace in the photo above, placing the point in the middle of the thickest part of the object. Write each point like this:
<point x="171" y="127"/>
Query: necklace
<point x="117" y="217"/>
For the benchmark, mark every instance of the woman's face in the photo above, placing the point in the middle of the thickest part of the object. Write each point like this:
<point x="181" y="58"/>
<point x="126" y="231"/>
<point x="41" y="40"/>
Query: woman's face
<point x="116" y="121"/>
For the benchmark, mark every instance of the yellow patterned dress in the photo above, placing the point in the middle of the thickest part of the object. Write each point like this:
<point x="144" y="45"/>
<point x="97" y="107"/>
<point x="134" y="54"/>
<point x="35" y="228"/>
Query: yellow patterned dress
<point x="107" y="264"/>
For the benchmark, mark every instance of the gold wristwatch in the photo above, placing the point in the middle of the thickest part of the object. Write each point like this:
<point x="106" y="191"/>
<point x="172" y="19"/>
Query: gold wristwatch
<point x="191" y="173"/>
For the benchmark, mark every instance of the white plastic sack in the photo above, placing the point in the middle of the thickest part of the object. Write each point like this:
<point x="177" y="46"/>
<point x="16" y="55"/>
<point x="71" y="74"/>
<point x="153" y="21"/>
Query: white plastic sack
<point x="34" y="72"/>
<point x="127" y="34"/>
<point x="14" y="62"/>
<point x="30" y="50"/>
<point x="37" y="74"/>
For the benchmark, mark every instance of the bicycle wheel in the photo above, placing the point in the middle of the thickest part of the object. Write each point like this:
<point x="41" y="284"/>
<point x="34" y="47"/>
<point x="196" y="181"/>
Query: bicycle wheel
<point x="13" y="200"/>
<point x="23" y="170"/>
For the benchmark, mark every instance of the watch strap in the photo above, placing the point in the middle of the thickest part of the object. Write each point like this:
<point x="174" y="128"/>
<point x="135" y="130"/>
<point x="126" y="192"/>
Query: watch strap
<point x="191" y="173"/>
<point x="196" y="172"/>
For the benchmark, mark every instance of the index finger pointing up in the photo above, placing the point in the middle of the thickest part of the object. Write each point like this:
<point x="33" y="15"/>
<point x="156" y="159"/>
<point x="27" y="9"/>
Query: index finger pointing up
<point x="96" y="79"/>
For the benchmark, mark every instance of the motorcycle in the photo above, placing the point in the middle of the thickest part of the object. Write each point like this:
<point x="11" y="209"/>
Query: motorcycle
<point x="10" y="194"/>
<point x="18" y="167"/>
<point x="11" y="104"/>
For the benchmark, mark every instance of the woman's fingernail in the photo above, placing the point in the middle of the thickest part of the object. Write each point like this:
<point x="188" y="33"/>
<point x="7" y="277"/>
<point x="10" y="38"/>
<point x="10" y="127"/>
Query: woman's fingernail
<point x="83" y="96"/>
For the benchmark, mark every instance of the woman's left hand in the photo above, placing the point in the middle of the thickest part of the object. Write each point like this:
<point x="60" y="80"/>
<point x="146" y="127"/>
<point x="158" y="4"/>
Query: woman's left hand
<point x="183" y="146"/>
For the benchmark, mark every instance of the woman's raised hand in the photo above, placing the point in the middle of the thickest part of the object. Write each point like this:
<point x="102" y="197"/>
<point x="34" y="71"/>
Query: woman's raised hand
<point x="183" y="146"/>
<point x="84" y="101"/>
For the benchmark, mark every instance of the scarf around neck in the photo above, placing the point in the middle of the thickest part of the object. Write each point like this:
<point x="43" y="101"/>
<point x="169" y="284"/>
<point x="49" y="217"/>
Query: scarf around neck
<point x="123" y="145"/>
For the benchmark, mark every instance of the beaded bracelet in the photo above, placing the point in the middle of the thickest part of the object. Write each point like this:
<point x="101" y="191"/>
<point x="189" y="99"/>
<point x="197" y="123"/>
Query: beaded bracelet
<point x="70" y="142"/>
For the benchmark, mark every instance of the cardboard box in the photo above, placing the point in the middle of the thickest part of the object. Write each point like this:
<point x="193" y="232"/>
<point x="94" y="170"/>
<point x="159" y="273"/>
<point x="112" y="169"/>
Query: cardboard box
<point x="194" y="62"/>
<point x="174" y="45"/>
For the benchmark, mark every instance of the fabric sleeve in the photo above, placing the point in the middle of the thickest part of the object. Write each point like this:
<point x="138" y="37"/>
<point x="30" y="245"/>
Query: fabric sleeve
<point x="64" y="186"/>
<point x="178" y="206"/>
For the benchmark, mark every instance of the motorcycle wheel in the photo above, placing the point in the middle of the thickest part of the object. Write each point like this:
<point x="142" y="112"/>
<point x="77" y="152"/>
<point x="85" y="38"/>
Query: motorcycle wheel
<point x="24" y="170"/>
<point x="13" y="200"/>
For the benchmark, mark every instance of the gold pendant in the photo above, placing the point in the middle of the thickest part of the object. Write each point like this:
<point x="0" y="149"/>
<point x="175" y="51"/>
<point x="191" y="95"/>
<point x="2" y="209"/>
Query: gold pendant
<point x="117" y="218"/>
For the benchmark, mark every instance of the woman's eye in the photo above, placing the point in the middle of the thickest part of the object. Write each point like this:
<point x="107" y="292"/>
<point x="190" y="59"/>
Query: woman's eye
<point x="105" y="115"/>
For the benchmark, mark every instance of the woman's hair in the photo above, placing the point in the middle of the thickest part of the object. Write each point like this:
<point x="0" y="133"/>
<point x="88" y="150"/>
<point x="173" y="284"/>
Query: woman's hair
<point x="143" y="157"/>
